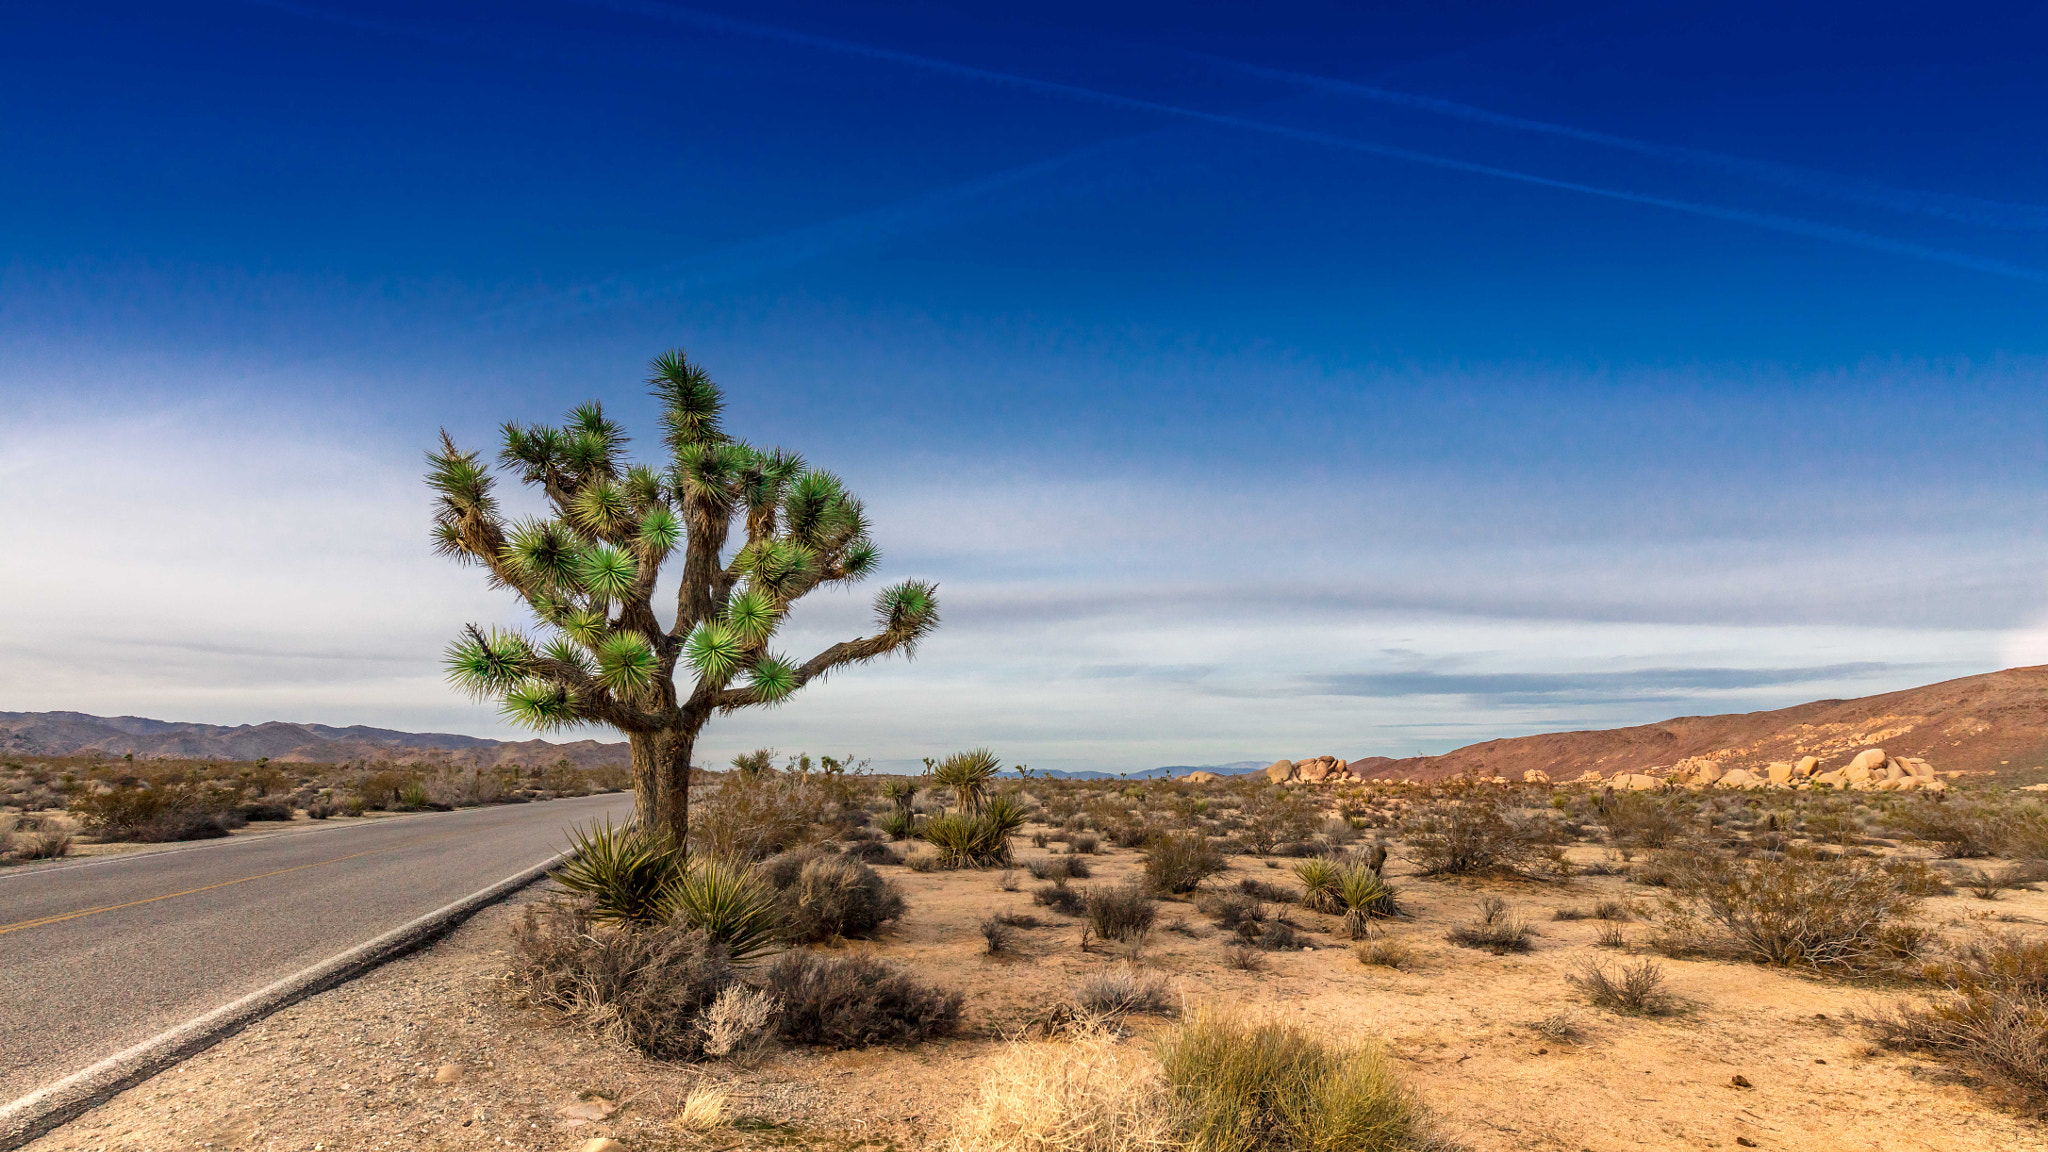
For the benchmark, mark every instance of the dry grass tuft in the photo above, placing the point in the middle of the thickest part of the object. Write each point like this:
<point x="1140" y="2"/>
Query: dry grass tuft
<point x="1631" y="989"/>
<point x="703" y="1110"/>
<point x="1263" y="1086"/>
<point x="1386" y="952"/>
<point x="1085" y="1096"/>
<point x="1124" y="991"/>
<point x="1497" y="930"/>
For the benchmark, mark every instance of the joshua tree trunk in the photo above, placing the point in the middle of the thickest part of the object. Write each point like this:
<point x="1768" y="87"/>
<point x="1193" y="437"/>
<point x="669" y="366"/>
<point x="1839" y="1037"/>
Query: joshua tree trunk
<point x="588" y="573"/>
<point x="661" y="779"/>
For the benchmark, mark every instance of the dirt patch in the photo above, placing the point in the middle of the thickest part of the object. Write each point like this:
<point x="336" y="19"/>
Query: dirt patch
<point x="355" y="1068"/>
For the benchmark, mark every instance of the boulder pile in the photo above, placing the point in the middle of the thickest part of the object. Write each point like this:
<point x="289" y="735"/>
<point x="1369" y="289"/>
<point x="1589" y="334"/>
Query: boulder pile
<point x="1870" y="770"/>
<point x="1314" y="770"/>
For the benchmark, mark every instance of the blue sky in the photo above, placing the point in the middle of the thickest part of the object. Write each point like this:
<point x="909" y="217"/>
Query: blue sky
<point x="1257" y="380"/>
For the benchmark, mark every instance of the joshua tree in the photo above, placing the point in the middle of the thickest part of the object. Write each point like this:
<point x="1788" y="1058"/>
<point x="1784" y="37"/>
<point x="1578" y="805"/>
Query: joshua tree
<point x="588" y="570"/>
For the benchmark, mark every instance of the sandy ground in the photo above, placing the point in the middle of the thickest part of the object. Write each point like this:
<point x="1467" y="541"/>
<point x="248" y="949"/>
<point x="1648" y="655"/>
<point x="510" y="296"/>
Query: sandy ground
<point x="355" y="1068"/>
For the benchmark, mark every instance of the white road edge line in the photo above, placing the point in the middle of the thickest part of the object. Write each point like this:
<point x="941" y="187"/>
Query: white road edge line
<point x="47" y="1108"/>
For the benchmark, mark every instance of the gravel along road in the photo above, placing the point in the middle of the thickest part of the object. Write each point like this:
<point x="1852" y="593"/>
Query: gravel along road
<point x="99" y="955"/>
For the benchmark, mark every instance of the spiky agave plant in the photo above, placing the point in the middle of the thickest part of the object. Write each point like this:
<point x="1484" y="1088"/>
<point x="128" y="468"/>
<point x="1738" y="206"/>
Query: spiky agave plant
<point x="1320" y="877"/>
<point x="588" y="570"/>
<point x="967" y="774"/>
<point x="1365" y="895"/>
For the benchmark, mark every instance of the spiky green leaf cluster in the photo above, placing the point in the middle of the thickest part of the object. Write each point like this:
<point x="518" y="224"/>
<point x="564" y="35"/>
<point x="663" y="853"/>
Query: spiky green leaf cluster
<point x="753" y="529"/>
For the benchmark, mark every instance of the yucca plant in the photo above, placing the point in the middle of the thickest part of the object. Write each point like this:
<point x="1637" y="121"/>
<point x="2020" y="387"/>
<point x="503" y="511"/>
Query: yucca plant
<point x="897" y="825"/>
<point x="588" y="570"/>
<point x="967" y="774"/>
<point x="624" y="871"/>
<point x="730" y="904"/>
<point x="981" y="841"/>
<point x="1320" y="877"/>
<point x="1365" y="894"/>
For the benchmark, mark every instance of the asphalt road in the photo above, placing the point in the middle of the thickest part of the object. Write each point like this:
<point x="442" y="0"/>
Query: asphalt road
<point x="102" y="954"/>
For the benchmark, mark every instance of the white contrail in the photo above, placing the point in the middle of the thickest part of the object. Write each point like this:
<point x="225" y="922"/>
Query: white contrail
<point x="1948" y="206"/>
<point x="1787" y="224"/>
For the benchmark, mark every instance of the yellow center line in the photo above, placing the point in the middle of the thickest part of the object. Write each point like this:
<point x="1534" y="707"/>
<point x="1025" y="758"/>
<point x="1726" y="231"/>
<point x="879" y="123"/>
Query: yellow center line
<point x="37" y="923"/>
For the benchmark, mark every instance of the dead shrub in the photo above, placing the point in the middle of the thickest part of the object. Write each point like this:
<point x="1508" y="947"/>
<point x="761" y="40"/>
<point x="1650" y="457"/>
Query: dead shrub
<point x="1560" y="1027"/>
<point x="1243" y="957"/>
<point x="645" y="987"/>
<point x="1642" y="820"/>
<point x="1631" y="989"/>
<point x="1124" y="991"/>
<point x="737" y="1024"/>
<point x="1086" y="1096"/>
<point x="856" y="1001"/>
<point x="1611" y="936"/>
<point x="1177" y="863"/>
<point x="1385" y="952"/>
<point x="751" y="817"/>
<point x="1797" y="911"/>
<point x="1992" y="1018"/>
<point x="1497" y="930"/>
<point x="1058" y="868"/>
<point x="1478" y="838"/>
<point x="1231" y="910"/>
<point x="1124" y="913"/>
<point x="997" y="935"/>
<point x="1059" y="898"/>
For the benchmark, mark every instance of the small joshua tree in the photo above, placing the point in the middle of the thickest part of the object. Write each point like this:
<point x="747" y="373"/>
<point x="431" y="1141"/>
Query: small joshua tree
<point x="588" y="570"/>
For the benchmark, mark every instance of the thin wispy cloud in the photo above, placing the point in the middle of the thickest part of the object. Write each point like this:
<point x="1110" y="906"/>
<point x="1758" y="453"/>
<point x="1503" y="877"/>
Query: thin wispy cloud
<point x="1830" y="185"/>
<point x="1790" y="225"/>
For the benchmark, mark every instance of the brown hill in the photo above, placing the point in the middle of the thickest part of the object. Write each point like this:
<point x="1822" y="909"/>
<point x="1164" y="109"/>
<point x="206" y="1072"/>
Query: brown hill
<point x="1975" y="724"/>
<point x="77" y="734"/>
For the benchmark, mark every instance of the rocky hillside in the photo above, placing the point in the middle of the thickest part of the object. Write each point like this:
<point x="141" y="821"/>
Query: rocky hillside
<point x="77" y="734"/>
<point x="1975" y="724"/>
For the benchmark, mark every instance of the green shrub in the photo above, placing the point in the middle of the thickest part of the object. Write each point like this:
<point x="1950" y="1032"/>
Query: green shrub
<point x="1177" y="863"/>
<point x="977" y="841"/>
<point x="823" y="895"/>
<point x="856" y="1001"/>
<point x="1365" y="895"/>
<point x="1272" y="1087"/>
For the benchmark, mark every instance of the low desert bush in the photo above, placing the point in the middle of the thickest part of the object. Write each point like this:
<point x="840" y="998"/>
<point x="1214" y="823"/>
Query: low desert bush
<point x="1560" y="1027"/>
<point x="1233" y="911"/>
<point x="1243" y="957"/>
<point x="1631" y="989"/>
<point x="1611" y="936"/>
<point x="1641" y="820"/>
<point x="161" y="813"/>
<point x="823" y="895"/>
<point x="1478" y="838"/>
<point x="856" y="1001"/>
<point x="1059" y="898"/>
<point x="1497" y="930"/>
<point x="1123" y="991"/>
<point x="1124" y="913"/>
<point x="737" y="1024"/>
<point x="997" y="935"/>
<point x="646" y="987"/>
<point x="1244" y="1086"/>
<point x="1992" y="1018"/>
<point x="1090" y="1095"/>
<point x="1177" y="863"/>
<point x="752" y="817"/>
<point x="1084" y="843"/>
<point x="1801" y="910"/>
<point x="1058" y="869"/>
<point x="1280" y="936"/>
<point x="1385" y="952"/>
<point x="874" y="852"/>
<point x="265" y="810"/>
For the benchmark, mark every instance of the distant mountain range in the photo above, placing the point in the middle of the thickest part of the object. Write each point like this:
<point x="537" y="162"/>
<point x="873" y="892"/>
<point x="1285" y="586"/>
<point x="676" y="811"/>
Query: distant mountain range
<point x="1234" y="768"/>
<point x="77" y="734"/>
